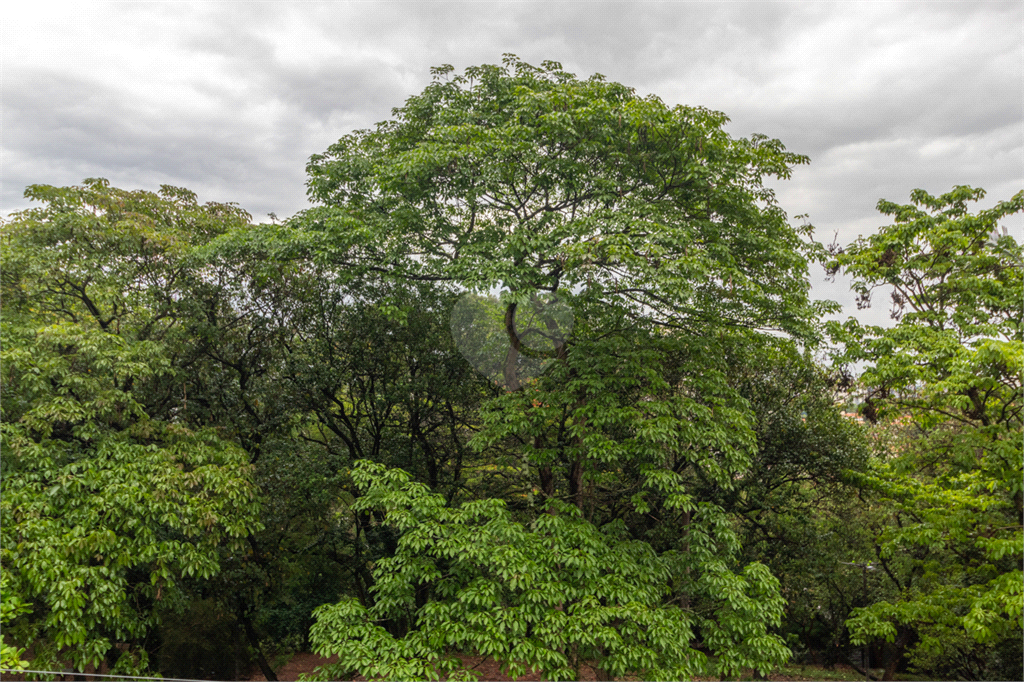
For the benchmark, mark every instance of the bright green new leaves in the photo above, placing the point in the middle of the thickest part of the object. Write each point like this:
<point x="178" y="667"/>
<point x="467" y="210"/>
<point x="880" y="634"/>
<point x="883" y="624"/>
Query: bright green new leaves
<point x="548" y="595"/>
<point x="952" y="367"/>
<point x="105" y="508"/>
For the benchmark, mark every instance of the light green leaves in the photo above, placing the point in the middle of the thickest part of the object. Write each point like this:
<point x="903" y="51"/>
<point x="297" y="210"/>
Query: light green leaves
<point x="105" y="509"/>
<point x="951" y="370"/>
<point x="11" y="606"/>
<point x="528" y="179"/>
<point x="545" y="596"/>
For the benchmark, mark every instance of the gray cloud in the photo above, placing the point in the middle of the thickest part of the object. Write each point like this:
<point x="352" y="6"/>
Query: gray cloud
<point x="230" y="99"/>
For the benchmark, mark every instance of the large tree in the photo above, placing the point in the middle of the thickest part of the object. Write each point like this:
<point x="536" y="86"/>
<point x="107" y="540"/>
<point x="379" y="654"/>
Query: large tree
<point x="654" y="227"/>
<point x="529" y="180"/>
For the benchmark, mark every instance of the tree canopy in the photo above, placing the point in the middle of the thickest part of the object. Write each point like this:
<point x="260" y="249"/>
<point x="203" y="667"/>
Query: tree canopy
<point x="536" y="378"/>
<point x="653" y="226"/>
<point x="108" y="501"/>
<point x="527" y="179"/>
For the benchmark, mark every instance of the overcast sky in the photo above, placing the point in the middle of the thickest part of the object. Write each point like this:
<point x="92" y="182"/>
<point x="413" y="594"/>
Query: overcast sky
<point x="230" y="99"/>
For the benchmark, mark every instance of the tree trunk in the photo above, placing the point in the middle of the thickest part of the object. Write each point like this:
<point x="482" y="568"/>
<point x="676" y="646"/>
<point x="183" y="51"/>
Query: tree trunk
<point x="576" y="483"/>
<point x="547" y="481"/>
<point x="684" y="599"/>
<point x="600" y="674"/>
<point x="512" y="359"/>
<point x="236" y="640"/>
<point x="860" y="670"/>
<point x="254" y="642"/>
<point x="894" y="653"/>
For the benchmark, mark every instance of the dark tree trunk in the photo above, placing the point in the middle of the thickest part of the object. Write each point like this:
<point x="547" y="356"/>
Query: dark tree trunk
<point x="576" y="483"/>
<point x="894" y="653"/>
<point x="236" y="640"/>
<point x="684" y="600"/>
<point x="600" y="674"/>
<point x="512" y="359"/>
<point x="547" y="481"/>
<point x="254" y="642"/>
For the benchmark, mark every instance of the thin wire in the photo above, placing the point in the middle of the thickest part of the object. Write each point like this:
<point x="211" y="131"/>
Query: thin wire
<point x="120" y="677"/>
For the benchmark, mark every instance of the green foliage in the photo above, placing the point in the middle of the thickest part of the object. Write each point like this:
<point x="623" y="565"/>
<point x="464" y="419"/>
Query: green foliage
<point x="543" y="596"/>
<point x="796" y="511"/>
<point x="653" y="228"/>
<point x="11" y="606"/>
<point x="951" y="369"/>
<point x="632" y="409"/>
<point x="105" y="508"/>
<point x="527" y="179"/>
<point x="214" y="431"/>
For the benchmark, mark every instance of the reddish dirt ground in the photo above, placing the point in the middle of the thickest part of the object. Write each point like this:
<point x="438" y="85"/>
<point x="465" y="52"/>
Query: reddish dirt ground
<point x="487" y="667"/>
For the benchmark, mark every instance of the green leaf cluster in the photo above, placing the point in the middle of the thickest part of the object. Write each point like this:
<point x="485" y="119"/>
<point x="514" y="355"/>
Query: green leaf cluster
<point x="543" y="596"/>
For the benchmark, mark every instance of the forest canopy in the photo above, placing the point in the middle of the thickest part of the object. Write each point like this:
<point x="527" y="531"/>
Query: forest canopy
<point x="536" y="378"/>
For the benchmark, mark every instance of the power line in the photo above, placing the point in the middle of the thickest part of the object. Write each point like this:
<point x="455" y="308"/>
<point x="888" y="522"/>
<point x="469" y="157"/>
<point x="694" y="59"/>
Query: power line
<point x="120" y="677"/>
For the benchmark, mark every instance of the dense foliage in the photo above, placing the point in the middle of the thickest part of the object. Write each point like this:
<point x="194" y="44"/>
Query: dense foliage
<point x="537" y="378"/>
<point x="108" y="499"/>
